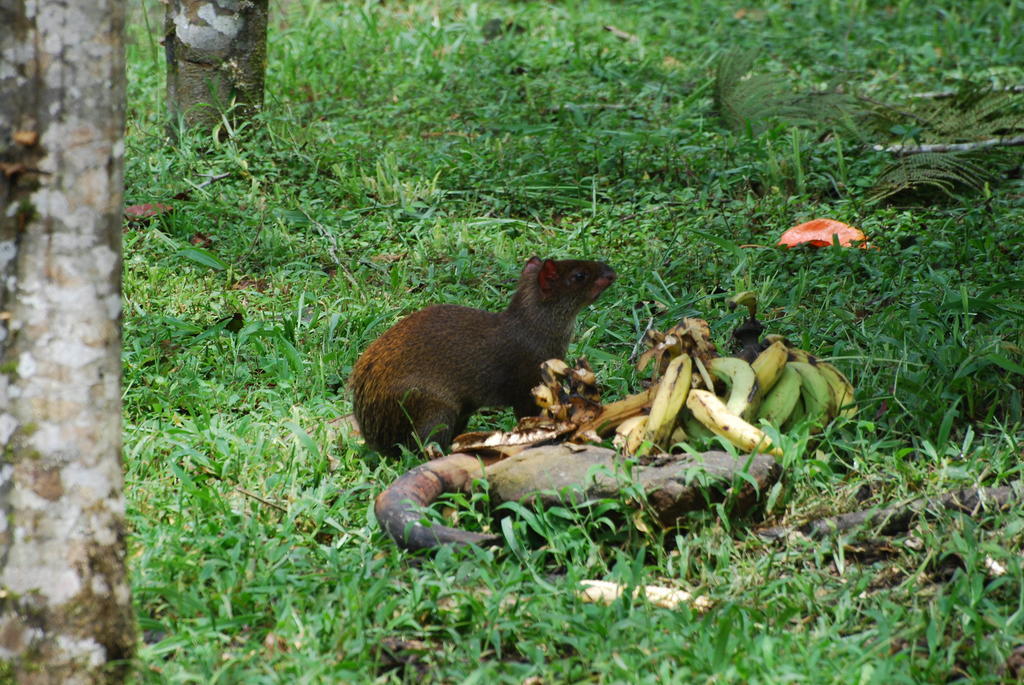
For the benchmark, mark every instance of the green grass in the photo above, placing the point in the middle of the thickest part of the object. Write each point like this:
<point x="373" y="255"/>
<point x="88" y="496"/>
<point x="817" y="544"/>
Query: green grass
<point x="401" y="160"/>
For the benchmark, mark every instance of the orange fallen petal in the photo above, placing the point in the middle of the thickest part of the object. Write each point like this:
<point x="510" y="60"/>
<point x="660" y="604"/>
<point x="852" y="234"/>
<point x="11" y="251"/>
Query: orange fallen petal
<point x="819" y="232"/>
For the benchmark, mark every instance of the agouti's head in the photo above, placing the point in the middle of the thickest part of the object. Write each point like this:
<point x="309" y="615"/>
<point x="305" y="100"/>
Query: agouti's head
<point x="572" y="279"/>
<point x="559" y="289"/>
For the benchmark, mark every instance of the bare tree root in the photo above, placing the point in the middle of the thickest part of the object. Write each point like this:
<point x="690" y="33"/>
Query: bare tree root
<point x="897" y="519"/>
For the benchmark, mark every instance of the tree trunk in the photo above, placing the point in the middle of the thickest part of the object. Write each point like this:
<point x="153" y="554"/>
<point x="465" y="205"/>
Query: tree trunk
<point x="65" y="604"/>
<point x="216" y="60"/>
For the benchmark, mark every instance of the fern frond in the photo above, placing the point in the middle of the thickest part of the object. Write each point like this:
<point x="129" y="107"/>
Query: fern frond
<point x="747" y="100"/>
<point x="942" y="171"/>
<point x="836" y="111"/>
<point x="948" y="133"/>
<point x="974" y="114"/>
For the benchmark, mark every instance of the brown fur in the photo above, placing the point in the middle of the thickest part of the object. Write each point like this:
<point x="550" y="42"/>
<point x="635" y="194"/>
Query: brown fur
<point x="428" y="373"/>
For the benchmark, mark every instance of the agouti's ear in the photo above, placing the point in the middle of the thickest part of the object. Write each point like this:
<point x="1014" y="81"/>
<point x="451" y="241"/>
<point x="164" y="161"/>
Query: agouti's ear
<point x="532" y="265"/>
<point x="547" y="279"/>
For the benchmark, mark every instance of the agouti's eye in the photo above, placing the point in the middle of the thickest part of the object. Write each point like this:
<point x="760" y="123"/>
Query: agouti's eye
<point x="579" y="276"/>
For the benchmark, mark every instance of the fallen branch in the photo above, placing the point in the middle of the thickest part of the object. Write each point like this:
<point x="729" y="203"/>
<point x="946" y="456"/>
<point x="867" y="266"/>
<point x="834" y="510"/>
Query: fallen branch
<point x="261" y="500"/>
<point x="944" y="94"/>
<point x="897" y="519"/>
<point x="210" y="178"/>
<point x="586" y="105"/>
<point x="620" y="34"/>
<point x="950" y="147"/>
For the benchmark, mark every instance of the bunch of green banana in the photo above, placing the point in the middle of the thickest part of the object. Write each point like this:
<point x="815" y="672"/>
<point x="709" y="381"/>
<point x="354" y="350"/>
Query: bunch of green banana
<point x="807" y="389"/>
<point x="782" y="386"/>
<point x="695" y="395"/>
<point x="684" y="409"/>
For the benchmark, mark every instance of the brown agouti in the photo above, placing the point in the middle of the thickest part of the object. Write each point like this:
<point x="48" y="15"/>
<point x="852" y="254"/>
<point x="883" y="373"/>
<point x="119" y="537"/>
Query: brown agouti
<point x="425" y="376"/>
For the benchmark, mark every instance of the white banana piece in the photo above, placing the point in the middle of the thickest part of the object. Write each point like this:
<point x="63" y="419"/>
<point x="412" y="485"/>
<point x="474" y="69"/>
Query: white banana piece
<point x="630" y="434"/>
<point x="637" y="443"/>
<point x="544" y="396"/>
<point x="553" y="371"/>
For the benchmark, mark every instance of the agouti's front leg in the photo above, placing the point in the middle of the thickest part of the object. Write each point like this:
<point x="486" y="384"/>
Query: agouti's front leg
<point x="526" y="407"/>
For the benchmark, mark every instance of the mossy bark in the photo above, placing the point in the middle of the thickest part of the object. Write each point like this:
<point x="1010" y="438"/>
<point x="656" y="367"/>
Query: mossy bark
<point x="65" y="604"/>
<point x="216" y="60"/>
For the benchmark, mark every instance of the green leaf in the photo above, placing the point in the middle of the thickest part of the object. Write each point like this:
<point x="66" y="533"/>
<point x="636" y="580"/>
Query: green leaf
<point x="1000" y="360"/>
<point x="303" y="437"/>
<point x="290" y="353"/>
<point x="202" y="257"/>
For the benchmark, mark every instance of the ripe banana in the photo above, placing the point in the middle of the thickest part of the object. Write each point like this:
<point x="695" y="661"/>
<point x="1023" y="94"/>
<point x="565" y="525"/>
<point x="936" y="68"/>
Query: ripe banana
<point x="744" y="392"/>
<point x="814" y="390"/>
<point x="710" y="411"/>
<point x="695" y="430"/>
<point x="672" y="391"/>
<point x="583" y="374"/>
<point x="841" y="387"/>
<point x="778" y="405"/>
<point x="798" y="355"/>
<point x="768" y="366"/>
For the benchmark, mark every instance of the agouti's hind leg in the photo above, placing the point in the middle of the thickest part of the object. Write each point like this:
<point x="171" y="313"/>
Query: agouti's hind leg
<point x="438" y="422"/>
